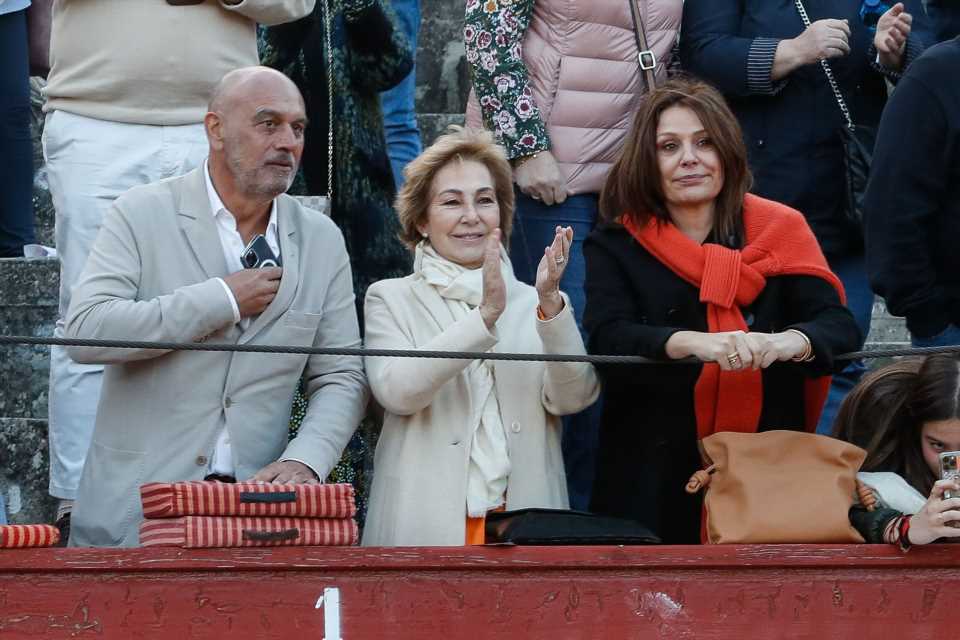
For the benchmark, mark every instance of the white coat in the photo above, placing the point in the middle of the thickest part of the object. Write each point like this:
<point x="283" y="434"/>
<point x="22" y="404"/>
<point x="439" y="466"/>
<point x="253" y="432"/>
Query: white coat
<point x="421" y="462"/>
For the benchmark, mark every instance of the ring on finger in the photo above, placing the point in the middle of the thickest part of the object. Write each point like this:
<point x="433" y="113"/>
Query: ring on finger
<point x="733" y="359"/>
<point x="560" y="259"/>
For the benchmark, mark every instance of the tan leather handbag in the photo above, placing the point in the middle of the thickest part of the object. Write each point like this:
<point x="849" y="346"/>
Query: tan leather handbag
<point x="777" y="487"/>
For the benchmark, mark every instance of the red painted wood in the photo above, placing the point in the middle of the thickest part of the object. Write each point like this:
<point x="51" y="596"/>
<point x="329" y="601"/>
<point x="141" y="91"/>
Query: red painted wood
<point x="763" y="591"/>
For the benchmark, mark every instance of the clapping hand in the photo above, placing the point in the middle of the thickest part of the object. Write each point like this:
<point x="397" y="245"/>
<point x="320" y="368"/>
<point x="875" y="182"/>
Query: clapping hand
<point x="550" y="271"/>
<point x="824" y="39"/>
<point x="891" y="38"/>
<point x="494" y="288"/>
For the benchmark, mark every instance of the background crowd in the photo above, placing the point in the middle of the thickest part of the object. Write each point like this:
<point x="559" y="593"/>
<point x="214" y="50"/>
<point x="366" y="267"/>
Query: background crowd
<point x="658" y="212"/>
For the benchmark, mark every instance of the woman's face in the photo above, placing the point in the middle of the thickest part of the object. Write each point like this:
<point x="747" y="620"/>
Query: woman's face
<point x="937" y="436"/>
<point x="690" y="168"/>
<point x="463" y="210"/>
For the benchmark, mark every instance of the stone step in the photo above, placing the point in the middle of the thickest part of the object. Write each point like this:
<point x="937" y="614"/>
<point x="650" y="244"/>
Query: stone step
<point x="24" y="471"/>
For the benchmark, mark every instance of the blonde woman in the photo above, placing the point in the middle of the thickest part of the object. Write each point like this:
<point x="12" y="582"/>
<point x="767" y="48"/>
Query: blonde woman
<point x="462" y="438"/>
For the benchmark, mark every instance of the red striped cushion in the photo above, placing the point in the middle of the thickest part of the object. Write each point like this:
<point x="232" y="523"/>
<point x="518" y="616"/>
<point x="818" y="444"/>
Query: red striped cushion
<point x="169" y="500"/>
<point x="199" y="532"/>
<point x="21" y="536"/>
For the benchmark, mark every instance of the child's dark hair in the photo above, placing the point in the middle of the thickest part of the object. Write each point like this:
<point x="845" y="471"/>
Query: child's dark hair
<point x="885" y="412"/>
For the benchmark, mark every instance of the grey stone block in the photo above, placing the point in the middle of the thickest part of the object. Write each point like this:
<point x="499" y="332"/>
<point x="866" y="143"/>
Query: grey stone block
<point x="443" y="79"/>
<point x="24" y="471"/>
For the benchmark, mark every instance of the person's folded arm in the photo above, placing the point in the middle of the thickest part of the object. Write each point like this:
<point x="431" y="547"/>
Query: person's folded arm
<point x="711" y="47"/>
<point x="106" y="302"/>
<point x="568" y="387"/>
<point x="404" y="386"/>
<point x="270" y="12"/>
<point x="813" y="307"/>
<point x="380" y="56"/>
<point x="334" y="386"/>
<point x="611" y="317"/>
<point x="493" y="42"/>
<point x="909" y="177"/>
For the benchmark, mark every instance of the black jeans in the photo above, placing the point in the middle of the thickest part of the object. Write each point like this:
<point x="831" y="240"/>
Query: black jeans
<point x="16" y="151"/>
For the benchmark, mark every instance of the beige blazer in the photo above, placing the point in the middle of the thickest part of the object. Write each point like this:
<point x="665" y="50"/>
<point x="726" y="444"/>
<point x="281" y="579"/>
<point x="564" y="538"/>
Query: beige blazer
<point x="151" y="276"/>
<point x="420" y="467"/>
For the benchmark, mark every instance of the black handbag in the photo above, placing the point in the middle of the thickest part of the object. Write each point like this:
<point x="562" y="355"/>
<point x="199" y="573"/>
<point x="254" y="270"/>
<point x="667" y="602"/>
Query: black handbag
<point x="563" y="527"/>
<point x="857" y="143"/>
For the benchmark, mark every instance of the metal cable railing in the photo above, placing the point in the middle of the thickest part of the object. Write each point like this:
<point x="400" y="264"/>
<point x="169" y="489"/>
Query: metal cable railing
<point x="416" y="353"/>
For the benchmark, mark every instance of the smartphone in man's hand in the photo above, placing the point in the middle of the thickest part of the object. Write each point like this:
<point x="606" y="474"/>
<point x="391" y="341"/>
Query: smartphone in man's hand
<point x="258" y="254"/>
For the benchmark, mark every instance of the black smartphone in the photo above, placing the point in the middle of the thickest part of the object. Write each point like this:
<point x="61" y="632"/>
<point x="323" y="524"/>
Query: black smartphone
<point x="258" y="254"/>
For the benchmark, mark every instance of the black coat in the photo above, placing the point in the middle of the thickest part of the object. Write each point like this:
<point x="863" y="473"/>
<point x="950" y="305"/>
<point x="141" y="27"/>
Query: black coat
<point x="648" y="430"/>
<point x="912" y="207"/>
<point x="792" y="140"/>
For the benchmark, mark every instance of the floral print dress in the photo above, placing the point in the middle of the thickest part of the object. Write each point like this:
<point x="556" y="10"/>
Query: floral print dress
<point x="493" y="32"/>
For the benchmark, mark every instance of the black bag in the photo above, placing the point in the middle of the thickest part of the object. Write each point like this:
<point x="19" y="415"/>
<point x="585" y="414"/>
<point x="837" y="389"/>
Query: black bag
<point x="857" y="144"/>
<point x="563" y="527"/>
<point x="857" y="156"/>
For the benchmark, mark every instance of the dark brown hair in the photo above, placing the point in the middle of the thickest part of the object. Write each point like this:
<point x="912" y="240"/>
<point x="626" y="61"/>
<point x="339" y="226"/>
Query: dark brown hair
<point x="886" y="411"/>
<point x="634" y="187"/>
<point x="458" y="144"/>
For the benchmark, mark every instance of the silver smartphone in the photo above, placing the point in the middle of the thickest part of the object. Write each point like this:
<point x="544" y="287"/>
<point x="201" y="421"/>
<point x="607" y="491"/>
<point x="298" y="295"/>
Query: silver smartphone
<point x="950" y="470"/>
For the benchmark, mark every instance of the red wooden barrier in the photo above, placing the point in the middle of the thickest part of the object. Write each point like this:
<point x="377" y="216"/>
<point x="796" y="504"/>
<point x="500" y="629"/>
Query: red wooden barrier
<point x="784" y="591"/>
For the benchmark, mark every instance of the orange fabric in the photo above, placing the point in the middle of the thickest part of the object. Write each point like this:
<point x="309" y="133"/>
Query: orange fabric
<point x="476" y="533"/>
<point x="778" y="242"/>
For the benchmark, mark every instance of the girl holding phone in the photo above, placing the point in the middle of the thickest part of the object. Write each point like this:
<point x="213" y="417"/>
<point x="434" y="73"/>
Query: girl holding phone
<point x="906" y="415"/>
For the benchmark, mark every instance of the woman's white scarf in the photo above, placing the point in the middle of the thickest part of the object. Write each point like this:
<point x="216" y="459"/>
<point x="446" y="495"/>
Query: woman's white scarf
<point x="489" y="467"/>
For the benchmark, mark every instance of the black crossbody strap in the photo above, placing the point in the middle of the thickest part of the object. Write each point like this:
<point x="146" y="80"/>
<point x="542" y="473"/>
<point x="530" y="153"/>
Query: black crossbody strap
<point x="645" y="57"/>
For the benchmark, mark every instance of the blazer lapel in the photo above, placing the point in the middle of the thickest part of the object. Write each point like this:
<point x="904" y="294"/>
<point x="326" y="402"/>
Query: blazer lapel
<point x="197" y="223"/>
<point x="290" y="259"/>
<point x="433" y="303"/>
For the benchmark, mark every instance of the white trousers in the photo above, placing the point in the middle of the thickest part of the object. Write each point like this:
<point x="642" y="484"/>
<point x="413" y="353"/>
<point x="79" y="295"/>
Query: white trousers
<point x="89" y="164"/>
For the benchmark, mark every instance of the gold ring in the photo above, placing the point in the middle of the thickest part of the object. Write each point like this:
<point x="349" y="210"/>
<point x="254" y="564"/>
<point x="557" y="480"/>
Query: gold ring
<point x="733" y="359"/>
<point x="560" y="259"/>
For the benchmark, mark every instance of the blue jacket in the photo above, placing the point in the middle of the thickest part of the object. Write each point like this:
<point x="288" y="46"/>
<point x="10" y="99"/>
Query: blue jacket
<point x="791" y="127"/>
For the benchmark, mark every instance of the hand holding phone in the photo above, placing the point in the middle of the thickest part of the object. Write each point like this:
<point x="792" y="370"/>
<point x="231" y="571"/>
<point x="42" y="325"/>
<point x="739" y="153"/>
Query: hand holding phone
<point x="254" y="289"/>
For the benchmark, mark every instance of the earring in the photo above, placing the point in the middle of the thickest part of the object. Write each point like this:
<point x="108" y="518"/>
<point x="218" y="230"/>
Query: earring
<point x="424" y="234"/>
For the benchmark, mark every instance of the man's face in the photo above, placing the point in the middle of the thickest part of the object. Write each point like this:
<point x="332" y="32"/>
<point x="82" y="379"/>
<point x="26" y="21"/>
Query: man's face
<point x="263" y="141"/>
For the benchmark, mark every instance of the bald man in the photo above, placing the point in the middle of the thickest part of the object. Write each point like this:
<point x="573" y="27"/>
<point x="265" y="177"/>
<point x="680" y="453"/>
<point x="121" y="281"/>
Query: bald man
<point x="166" y="266"/>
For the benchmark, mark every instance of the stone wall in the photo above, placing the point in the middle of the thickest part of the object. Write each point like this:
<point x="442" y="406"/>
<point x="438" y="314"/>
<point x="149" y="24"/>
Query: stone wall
<point x="28" y="288"/>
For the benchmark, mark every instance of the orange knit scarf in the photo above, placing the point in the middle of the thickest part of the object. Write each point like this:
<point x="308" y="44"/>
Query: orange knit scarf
<point x="778" y="242"/>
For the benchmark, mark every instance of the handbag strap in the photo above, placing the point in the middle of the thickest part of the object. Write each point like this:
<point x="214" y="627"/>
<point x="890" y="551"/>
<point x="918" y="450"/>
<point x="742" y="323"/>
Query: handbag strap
<point x="645" y="57"/>
<point x="827" y="71"/>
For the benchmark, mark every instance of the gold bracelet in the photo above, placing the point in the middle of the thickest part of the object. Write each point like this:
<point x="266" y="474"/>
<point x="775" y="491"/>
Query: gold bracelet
<point x="522" y="160"/>
<point x="807" y="354"/>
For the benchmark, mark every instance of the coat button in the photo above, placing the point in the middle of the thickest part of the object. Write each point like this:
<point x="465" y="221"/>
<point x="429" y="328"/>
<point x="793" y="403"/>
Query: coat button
<point x="515" y="427"/>
<point x="201" y="461"/>
<point x="227" y="402"/>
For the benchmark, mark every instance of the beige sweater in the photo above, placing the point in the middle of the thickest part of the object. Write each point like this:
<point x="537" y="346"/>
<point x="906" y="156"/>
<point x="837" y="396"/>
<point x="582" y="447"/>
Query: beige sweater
<point x="147" y="62"/>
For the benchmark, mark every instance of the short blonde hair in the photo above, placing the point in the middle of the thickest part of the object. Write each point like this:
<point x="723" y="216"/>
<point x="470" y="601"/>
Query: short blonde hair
<point x="458" y="143"/>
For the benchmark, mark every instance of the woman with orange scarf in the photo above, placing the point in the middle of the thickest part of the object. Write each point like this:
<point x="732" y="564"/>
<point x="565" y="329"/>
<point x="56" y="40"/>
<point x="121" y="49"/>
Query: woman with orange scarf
<point x="691" y="265"/>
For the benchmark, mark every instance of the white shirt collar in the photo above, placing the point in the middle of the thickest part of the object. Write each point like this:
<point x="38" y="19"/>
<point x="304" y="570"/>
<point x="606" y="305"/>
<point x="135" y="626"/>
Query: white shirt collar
<point x="217" y="207"/>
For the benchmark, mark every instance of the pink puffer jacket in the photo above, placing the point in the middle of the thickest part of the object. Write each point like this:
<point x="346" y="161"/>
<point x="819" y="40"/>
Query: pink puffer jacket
<point x="582" y="60"/>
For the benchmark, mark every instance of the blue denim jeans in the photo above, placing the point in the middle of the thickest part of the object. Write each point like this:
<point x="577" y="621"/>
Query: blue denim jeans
<point x="534" y="225"/>
<point x="853" y="274"/>
<point x="399" y="114"/>
<point x="16" y="148"/>
<point x="949" y="337"/>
